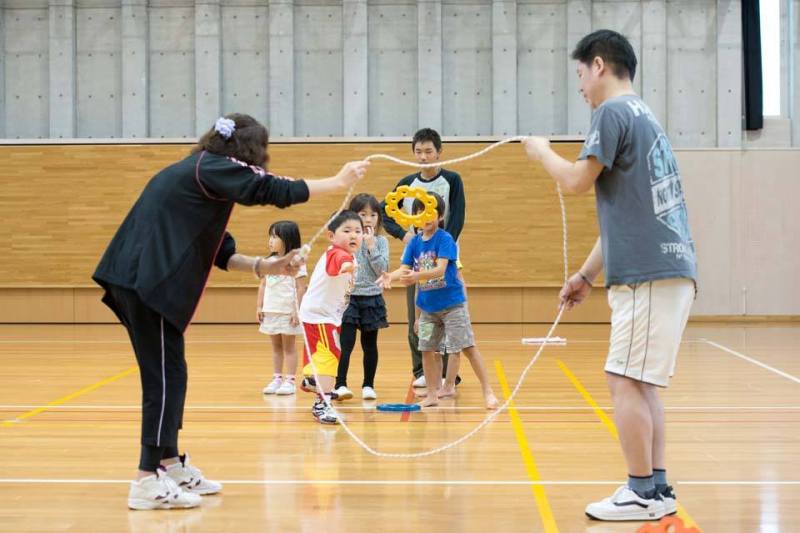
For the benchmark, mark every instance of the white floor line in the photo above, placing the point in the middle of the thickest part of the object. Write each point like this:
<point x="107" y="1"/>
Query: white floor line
<point x="322" y="482"/>
<point x="754" y="483"/>
<point x="753" y="361"/>
<point x="515" y="341"/>
<point x="271" y="408"/>
<point x="413" y="482"/>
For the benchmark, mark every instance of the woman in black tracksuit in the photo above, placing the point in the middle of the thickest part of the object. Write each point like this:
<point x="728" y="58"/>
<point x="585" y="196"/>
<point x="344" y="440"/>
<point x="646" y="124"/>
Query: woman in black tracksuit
<point x="155" y="269"/>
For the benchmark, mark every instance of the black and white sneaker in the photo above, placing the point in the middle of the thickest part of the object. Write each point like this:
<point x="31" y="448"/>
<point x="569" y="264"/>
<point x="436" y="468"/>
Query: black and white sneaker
<point x="159" y="491"/>
<point x="670" y="501"/>
<point x="625" y="504"/>
<point x="308" y="384"/>
<point x="324" y="414"/>
<point x="190" y="478"/>
<point x="318" y="408"/>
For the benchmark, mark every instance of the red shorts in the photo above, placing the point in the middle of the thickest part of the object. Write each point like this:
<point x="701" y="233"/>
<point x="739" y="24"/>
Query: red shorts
<point x="323" y="340"/>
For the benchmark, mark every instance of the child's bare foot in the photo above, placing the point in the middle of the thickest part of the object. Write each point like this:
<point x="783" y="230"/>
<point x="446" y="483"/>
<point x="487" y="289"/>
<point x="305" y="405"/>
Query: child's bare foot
<point x="429" y="402"/>
<point x="491" y="402"/>
<point x="447" y="392"/>
<point x="420" y="393"/>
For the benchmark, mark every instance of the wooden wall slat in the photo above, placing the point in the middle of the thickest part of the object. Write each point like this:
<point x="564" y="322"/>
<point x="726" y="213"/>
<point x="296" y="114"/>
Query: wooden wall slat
<point x="61" y="204"/>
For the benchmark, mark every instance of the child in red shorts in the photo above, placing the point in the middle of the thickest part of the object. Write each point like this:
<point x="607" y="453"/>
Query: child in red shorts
<point x="322" y="308"/>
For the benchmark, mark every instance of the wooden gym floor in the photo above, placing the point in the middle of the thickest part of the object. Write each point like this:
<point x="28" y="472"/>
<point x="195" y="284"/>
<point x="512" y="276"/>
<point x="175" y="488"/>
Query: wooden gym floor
<point x="69" y="399"/>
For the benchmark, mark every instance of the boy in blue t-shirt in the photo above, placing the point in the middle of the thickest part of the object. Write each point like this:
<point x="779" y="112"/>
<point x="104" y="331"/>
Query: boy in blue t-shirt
<point x="429" y="260"/>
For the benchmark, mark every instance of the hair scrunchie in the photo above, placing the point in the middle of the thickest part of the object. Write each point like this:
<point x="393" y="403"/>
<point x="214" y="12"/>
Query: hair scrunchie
<point x="225" y="127"/>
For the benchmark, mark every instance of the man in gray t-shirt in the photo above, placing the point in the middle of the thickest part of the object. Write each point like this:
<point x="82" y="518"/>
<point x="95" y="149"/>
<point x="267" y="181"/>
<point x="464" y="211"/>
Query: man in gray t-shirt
<point x="644" y="229"/>
<point x="647" y="251"/>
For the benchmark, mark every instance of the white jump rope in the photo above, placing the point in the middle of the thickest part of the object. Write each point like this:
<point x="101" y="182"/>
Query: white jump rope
<point x="306" y="249"/>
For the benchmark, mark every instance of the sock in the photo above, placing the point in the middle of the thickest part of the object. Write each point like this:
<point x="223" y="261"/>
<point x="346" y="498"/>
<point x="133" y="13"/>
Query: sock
<point x="660" y="479"/>
<point x="276" y="376"/>
<point x="288" y="377"/>
<point x="642" y="485"/>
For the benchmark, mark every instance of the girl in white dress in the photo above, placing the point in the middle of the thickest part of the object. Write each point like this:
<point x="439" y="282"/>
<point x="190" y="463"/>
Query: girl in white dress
<point x="276" y="309"/>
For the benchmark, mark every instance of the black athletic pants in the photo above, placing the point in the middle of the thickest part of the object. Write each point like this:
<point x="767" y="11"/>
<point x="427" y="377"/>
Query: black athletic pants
<point x="159" y="350"/>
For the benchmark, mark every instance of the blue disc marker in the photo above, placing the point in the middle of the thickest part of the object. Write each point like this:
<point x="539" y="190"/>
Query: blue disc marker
<point x="396" y="407"/>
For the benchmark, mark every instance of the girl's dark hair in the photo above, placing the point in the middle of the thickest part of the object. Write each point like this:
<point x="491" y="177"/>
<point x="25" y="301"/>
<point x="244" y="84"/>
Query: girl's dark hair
<point x="613" y="47"/>
<point x="343" y="217"/>
<point x="288" y="232"/>
<point x="418" y="207"/>
<point x="248" y="143"/>
<point x="364" y="200"/>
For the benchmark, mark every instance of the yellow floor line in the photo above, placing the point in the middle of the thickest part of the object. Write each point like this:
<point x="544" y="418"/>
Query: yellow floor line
<point x="609" y="424"/>
<point x="539" y="494"/>
<point x="65" y="399"/>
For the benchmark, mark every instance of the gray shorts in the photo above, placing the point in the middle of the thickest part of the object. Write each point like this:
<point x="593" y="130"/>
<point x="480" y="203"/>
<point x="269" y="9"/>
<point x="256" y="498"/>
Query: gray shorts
<point x="451" y="325"/>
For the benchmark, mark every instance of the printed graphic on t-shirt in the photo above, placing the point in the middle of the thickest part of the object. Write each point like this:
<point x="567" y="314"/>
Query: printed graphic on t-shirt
<point x="427" y="261"/>
<point x="440" y="186"/>
<point x="669" y="205"/>
<point x="593" y="139"/>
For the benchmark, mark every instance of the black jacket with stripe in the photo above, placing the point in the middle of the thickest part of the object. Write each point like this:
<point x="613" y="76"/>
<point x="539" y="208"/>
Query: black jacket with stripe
<point x="175" y="232"/>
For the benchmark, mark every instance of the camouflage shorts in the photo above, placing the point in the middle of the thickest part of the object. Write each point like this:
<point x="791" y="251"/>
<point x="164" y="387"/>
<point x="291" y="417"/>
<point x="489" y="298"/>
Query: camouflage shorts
<point x="451" y="325"/>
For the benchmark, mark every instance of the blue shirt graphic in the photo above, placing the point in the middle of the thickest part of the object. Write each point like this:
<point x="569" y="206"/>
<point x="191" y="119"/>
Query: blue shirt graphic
<point x="439" y="293"/>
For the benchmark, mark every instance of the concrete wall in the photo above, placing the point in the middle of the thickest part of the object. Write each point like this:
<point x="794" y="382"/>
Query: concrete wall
<point x="167" y="68"/>
<point x="743" y="220"/>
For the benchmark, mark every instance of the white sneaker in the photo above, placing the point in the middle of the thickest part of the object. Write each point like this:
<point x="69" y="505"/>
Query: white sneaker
<point x="670" y="501"/>
<point x="189" y="478"/>
<point x="419" y="383"/>
<point x="159" y="491"/>
<point x="286" y="388"/>
<point x="368" y="393"/>
<point x="625" y="504"/>
<point x="324" y="414"/>
<point x="273" y="387"/>
<point x="343" y="393"/>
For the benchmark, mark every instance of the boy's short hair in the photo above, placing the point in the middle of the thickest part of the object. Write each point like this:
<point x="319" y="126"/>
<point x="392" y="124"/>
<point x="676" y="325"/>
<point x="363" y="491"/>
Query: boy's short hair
<point x="418" y="206"/>
<point x="613" y="47"/>
<point x="343" y="217"/>
<point x="427" y="135"/>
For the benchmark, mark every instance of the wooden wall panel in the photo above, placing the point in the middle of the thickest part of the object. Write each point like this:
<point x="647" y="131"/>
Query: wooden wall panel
<point x="23" y="305"/>
<point x="87" y="305"/>
<point x="60" y="205"/>
<point x="540" y="304"/>
<point x="236" y="305"/>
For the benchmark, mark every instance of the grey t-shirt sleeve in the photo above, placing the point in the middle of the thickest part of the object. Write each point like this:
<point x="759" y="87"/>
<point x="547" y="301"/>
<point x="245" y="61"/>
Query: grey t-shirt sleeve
<point x="605" y="137"/>
<point x="379" y="258"/>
